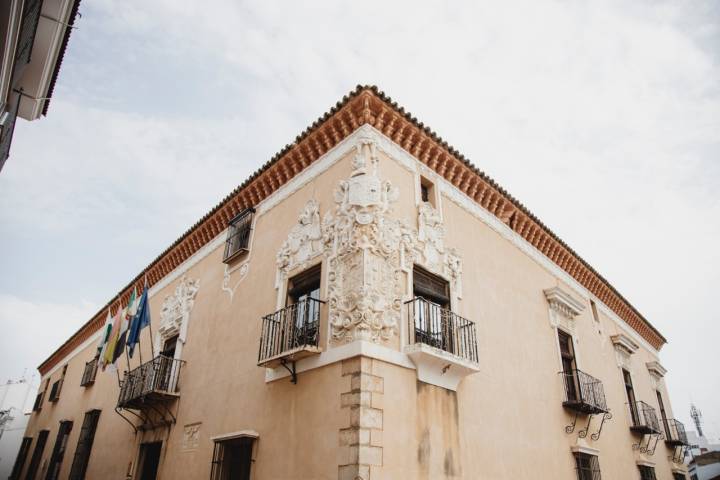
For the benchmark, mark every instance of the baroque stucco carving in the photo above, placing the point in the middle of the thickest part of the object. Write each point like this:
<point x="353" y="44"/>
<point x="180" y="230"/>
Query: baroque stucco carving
<point x="304" y="241"/>
<point x="367" y="251"/>
<point x="364" y="246"/>
<point x="430" y="250"/>
<point x="176" y="308"/>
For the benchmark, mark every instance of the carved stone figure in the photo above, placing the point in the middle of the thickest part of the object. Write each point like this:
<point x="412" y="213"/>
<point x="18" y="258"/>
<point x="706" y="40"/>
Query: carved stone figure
<point x="176" y="308"/>
<point x="304" y="241"/>
<point x="363" y="246"/>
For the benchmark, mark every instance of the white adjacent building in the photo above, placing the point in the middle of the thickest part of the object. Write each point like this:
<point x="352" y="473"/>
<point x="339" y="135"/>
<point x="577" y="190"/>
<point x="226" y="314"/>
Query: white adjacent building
<point x="16" y="401"/>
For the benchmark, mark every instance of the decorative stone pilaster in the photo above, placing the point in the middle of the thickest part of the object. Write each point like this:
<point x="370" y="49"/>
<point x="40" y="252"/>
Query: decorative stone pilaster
<point x="175" y="313"/>
<point x="361" y="442"/>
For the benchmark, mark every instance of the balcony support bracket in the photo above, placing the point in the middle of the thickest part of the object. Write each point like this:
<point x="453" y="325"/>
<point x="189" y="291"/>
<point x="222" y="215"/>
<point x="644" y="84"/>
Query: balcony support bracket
<point x="290" y="367"/>
<point x="117" y="410"/>
<point x="678" y="455"/>
<point x="583" y="433"/>
<point x="639" y="445"/>
<point x="606" y="416"/>
<point x="658" y="437"/>
<point x="571" y="428"/>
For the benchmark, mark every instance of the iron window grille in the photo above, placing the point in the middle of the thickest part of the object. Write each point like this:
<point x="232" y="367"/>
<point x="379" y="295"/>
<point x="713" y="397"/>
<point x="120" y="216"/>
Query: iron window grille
<point x="587" y="466"/>
<point x="647" y="473"/>
<point x="290" y="328"/>
<point x="20" y="459"/>
<point x="84" y="445"/>
<point x="37" y="406"/>
<point x="89" y="373"/>
<point x="232" y="459"/>
<point x="37" y="455"/>
<point x="55" y="391"/>
<point x="431" y="324"/>
<point x="238" y="237"/>
<point x="53" y="471"/>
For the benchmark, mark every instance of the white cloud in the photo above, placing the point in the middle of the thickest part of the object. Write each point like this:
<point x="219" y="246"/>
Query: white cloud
<point x="30" y="327"/>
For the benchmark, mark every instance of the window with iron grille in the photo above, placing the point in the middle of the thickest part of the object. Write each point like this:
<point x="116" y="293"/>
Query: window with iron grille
<point x="89" y="373"/>
<point x="37" y="406"/>
<point x="238" y="237"/>
<point x="232" y="459"/>
<point x="20" y="459"/>
<point x="587" y="466"/>
<point x="37" y="455"/>
<point x="84" y="445"/>
<point x="647" y="473"/>
<point x="57" y="386"/>
<point x="53" y="471"/>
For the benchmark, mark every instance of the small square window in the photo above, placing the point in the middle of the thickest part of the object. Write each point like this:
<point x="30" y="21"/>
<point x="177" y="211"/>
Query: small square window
<point x="647" y="473"/>
<point x="587" y="466"/>
<point x="238" y="237"/>
<point x="232" y="459"/>
<point x="427" y="191"/>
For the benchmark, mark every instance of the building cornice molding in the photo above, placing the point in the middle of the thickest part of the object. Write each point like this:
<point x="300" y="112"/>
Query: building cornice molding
<point x="367" y="105"/>
<point x="656" y="369"/>
<point x="625" y="343"/>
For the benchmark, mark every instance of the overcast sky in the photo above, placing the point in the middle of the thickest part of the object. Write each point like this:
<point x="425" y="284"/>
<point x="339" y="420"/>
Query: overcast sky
<point x="602" y="117"/>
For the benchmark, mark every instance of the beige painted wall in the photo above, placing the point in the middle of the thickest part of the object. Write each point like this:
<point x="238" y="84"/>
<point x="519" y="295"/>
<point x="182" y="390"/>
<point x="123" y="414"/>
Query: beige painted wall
<point x="504" y="422"/>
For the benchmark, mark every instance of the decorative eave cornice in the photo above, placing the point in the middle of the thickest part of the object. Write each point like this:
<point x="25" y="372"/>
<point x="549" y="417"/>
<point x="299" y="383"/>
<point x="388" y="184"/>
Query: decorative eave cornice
<point x="626" y="343"/>
<point x="656" y="369"/>
<point x="367" y="105"/>
<point x="563" y="302"/>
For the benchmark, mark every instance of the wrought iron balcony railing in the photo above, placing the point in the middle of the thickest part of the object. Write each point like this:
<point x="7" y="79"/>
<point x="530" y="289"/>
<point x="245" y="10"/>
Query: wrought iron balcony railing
<point x="154" y="380"/>
<point x="675" y="432"/>
<point x="438" y="327"/>
<point x="290" y="333"/>
<point x="644" y="419"/>
<point x="583" y="393"/>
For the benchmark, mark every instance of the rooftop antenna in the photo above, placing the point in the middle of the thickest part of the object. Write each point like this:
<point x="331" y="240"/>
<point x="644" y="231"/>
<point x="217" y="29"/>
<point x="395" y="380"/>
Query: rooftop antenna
<point x="696" y="415"/>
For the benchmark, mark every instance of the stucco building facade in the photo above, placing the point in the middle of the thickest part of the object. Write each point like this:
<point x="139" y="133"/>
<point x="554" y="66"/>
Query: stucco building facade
<point x="367" y="305"/>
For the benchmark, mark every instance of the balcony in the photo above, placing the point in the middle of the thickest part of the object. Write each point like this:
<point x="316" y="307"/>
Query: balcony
<point x="441" y="344"/>
<point x="644" y="419"/>
<point x="154" y="381"/>
<point x="291" y="333"/>
<point x="583" y="393"/>
<point x="675" y="435"/>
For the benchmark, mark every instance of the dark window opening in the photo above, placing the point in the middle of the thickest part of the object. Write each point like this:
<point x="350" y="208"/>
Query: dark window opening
<point x="238" y="237"/>
<point x="567" y="357"/>
<point x="232" y="459"/>
<point x="427" y="191"/>
<point x="431" y="287"/>
<point x="169" y="347"/>
<point x="647" y="473"/>
<point x="84" y="445"/>
<point x="57" y="386"/>
<point x="89" y="373"/>
<point x="53" y="472"/>
<point x="37" y="406"/>
<point x="37" y="455"/>
<point x="587" y="466"/>
<point x="149" y="460"/>
<point x="663" y="415"/>
<point x="630" y="391"/>
<point x="20" y="459"/>
<point x="680" y="476"/>
<point x="304" y="299"/>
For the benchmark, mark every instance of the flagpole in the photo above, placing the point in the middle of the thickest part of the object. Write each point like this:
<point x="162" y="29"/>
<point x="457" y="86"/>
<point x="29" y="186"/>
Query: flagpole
<point x="152" y="343"/>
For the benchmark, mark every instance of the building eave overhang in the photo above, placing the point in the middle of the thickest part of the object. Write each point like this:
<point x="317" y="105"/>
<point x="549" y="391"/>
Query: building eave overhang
<point x="368" y="105"/>
<point x="51" y="40"/>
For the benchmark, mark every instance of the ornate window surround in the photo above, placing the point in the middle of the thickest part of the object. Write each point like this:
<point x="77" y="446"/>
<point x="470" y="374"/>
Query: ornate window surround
<point x="562" y="310"/>
<point x="625" y="347"/>
<point x="175" y="314"/>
